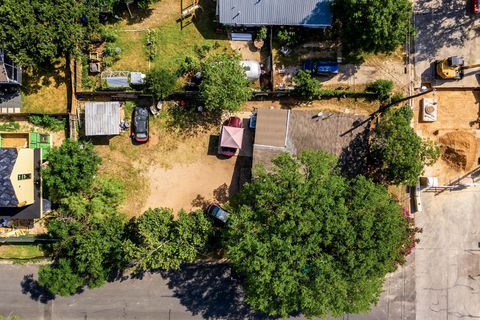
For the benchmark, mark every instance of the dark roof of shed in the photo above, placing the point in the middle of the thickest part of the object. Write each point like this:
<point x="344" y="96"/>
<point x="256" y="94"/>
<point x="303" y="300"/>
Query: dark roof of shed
<point x="8" y="157"/>
<point x="335" y="133"/>
<point x="308" y="13"/>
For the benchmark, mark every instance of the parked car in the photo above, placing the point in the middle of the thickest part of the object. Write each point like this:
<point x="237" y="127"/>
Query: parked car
<point x="232" y="122"/>
<point x="216" y="212"/>
<point x="475" y="6"/>
<point x="321" y="67"/>
<point x="140" y="124"/>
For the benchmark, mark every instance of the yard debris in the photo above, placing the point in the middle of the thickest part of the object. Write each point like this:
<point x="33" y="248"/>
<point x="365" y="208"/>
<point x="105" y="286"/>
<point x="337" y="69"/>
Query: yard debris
<point x="459" y="149"/>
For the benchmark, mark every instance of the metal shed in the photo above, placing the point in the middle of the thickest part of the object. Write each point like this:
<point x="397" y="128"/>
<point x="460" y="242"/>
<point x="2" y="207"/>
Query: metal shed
<point x="253" y="13"/>
<point x="102" y="118"/>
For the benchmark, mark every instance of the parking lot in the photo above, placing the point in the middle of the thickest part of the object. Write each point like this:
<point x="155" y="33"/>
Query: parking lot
<point x="445" y="28"/>
<point x="447" y="259"/>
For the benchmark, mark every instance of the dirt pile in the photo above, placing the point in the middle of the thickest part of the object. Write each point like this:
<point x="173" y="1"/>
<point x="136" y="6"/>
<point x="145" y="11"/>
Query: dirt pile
<point x="459" y="149"/>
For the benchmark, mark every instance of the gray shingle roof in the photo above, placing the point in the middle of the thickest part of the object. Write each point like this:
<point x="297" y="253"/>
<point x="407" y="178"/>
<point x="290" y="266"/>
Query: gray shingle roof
<point x="8" y="157"/>
<point x="308" y="13"/>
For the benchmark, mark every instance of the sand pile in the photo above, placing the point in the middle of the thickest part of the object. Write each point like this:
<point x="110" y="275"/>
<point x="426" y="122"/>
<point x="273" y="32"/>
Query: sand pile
<point x="459" y="149"/>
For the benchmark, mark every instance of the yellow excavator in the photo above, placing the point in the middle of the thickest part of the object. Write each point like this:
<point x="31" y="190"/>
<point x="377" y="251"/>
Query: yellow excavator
<point x="452" y="68"/>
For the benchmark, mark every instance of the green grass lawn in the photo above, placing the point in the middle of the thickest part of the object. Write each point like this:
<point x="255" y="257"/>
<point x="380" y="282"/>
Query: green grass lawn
<point x="172" y="43"/>
<point x="21" y="252"/>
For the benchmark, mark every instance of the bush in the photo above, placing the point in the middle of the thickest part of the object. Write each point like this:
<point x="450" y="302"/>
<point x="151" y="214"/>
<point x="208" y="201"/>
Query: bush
<point x="381" y="88"/>
<point x="262" y="33"/>
<point x="151" y="45"/>
<point x="9" y="126"/>
<point x="109" y="34"/>
<point x="48" y="122"/>
<point x="189" y="65"/>
<point x="306" y="86"/>
<point x="160" y="83"/>
<point x="287" y="37"/>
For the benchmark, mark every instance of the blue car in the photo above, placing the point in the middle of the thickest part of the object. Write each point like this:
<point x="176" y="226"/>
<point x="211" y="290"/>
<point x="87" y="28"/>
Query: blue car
<point x="321" y="67"/>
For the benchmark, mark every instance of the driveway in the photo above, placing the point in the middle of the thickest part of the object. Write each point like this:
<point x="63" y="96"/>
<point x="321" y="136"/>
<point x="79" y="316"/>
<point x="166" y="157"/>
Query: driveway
<point x="445" y="28"/>
<point x="447" y="259"/>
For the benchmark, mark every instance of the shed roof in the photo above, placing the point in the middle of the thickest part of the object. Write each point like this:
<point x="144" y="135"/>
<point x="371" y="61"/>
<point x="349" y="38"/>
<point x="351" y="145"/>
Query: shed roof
<point x="307" y="13"/>
<point x="102" y="118"/>
<point x="271" y="127"/>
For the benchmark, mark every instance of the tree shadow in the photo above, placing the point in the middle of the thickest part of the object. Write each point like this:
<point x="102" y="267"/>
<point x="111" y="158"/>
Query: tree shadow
<point x="49" y="74"/>
<point x="204" y="21"/>
<point x="189" y="122"/>
<point x="353" y="160"/>
<point x="36" y="292"/>
<point x="200" y="202"/>
<point x="210" y="290"/>
<point x="221" y="193"/>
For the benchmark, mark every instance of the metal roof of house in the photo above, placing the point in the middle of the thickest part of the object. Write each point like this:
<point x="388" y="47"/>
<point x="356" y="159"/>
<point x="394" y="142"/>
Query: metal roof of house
<point x="102" y="118"/>
<point x="307" y="13"/>
<point x="8" y="157"/>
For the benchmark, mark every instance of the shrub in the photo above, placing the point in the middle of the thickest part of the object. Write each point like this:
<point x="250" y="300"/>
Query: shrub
<point x="287" y="37"/>
<point x="381" y="88"/>
<point x="189" y="65"/>
<point x="47" y="122"/>
<point x="160" y="83"/>
<point x="306" y="86"/>
<point x="109" y="34"/>
<point x="9" y="126"/>
<point x="262" y="33"/>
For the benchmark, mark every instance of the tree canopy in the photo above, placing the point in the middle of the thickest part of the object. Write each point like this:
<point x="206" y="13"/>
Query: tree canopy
<point x="307" y="239"/>
<point x="306" y="86"/>
<point x="224" y="85"/>
<point x="161" y="83"/>
<point x="90" y="234"/>
<point x="373" y="25"/>
<point x="71" y="169"/>
<point x="397" y="151"/>
<point x="160" y="242"/>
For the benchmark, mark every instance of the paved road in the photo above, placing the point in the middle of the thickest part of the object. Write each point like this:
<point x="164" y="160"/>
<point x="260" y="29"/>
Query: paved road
<point x="205" y="291"/>
<point x="202" y="291"/>
<point x="447" y="259"/>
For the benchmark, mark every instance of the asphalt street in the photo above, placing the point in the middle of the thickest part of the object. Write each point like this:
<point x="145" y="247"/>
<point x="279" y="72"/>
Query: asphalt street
<point x="204" y="291"/>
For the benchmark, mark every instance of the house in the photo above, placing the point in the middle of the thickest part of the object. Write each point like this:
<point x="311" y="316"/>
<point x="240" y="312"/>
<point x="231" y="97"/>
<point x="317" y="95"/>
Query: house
<point x="10" y="81"/>
<point x="102" y="118"/>
<point x="20" y="185"/>
<point x="294" y="131"/>
<point x="255" y="13"/>
<point x="31" y="140"/>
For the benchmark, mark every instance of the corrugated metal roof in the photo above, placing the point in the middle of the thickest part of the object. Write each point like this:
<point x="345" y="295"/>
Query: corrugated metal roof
<point x="271" y="128"/>
<point x="308" y="13"/>
<point x="102" y="118"/>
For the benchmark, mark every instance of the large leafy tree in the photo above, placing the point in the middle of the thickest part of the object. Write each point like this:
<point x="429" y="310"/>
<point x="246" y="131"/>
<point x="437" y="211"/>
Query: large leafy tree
<point x="71" y="169"/>
<point x="397" y="151"/>
<point x="224" y="85"/>
<point x="90" y="234"/>
<point x="373" y="25"/>
<point x="307" y="239"/>
<point x="160" y="241"/>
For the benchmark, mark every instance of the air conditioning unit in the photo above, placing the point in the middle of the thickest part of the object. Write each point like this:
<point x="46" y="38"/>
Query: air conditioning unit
<point x="429" y="110"/>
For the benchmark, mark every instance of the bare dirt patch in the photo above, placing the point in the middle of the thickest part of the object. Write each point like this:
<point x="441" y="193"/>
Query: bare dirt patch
<point x="190" y="186"/>
<point x="457" y="116"/>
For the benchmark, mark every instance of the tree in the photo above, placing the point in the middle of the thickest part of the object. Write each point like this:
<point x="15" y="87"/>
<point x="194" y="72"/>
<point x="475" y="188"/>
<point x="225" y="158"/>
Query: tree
<point x="159" y="241"/>
<point x="398" y="151"/>
<point x="382" y="89"/>
<point x="307" y="239"/>
<point x="71" y="169"/>
<point x="373" y="25"/>
<point x="90" y="234"/>
<point x="161" y="83"/>
<point x="224" y="85"/>
<point x="306" y="86"/>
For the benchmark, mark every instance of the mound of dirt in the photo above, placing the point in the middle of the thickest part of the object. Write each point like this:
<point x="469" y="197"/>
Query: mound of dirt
<point x="459" y="149"/>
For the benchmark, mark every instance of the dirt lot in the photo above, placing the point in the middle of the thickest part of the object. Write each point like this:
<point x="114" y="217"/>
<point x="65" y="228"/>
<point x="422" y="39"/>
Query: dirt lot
<point x="458" y="111"/>
<point x="445" y="28"/>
